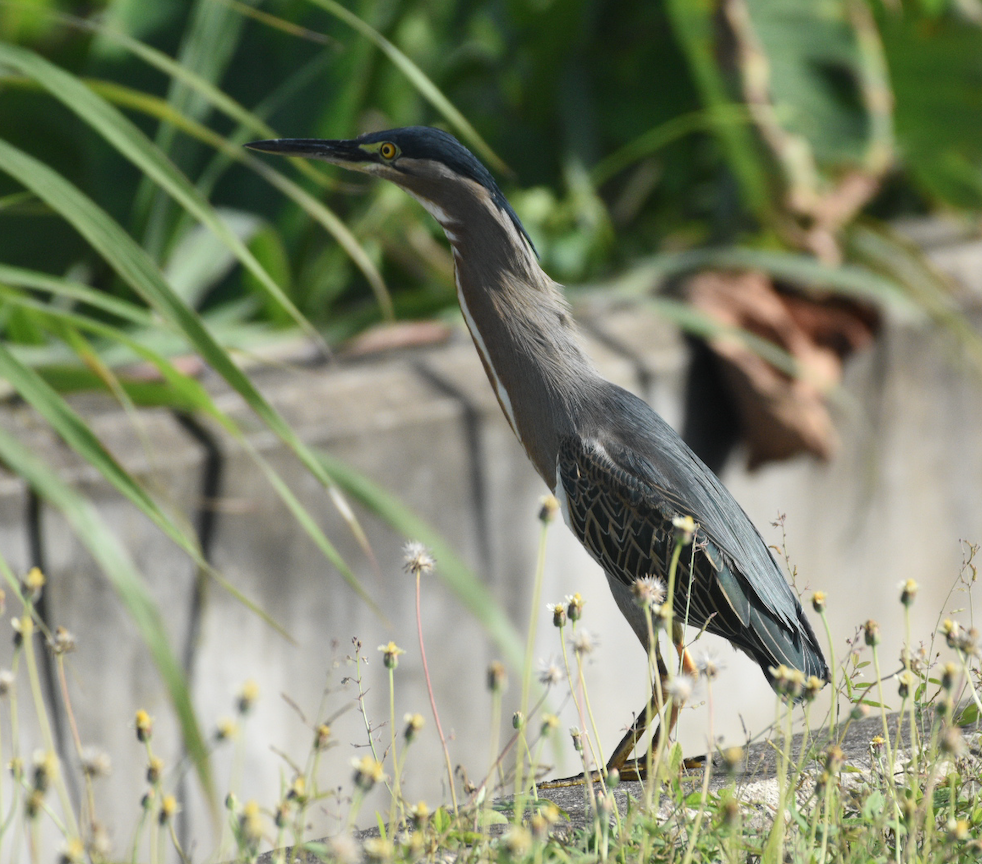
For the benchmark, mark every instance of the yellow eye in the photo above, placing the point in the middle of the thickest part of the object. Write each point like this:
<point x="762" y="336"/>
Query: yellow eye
<point x="388" y="150"/>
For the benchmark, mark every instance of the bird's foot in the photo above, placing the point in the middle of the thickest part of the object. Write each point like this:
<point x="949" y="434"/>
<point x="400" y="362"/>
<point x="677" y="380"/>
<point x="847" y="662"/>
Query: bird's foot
<point x="566" y="782"/>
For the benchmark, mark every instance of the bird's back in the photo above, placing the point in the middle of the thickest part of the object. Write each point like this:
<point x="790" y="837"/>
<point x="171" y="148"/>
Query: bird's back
<point x="624" y="476"/>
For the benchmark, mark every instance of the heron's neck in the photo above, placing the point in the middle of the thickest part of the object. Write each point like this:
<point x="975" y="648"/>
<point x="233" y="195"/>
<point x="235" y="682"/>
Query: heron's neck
<point x="524" y="334"/>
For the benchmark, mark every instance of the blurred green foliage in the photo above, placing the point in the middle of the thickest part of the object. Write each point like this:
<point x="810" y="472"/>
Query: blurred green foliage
<point x="828" y="90"/>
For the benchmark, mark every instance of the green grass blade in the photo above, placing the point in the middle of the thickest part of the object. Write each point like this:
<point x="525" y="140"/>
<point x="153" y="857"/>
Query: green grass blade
<point x="74" y="431"/>
<point x="114" y="561"/>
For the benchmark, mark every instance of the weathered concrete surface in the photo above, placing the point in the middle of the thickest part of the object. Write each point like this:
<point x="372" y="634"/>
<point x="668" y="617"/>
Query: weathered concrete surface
<point x="423" y="423"/>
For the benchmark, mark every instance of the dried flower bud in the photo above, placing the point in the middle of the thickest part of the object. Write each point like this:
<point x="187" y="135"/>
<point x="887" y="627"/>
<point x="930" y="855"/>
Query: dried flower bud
<point x="390" y="655"/>
<point x="574" y="607"/>
<point x="904" y="682"/>
<point x="155" y="769"/>
<point x="558" y="614"/>
<point x="908" y="591"/>
<point x="949" y="672"/>
<point x="550" y="722"/>
<point x="45" y="769"/>
<point x="6" y="682"/>
<point x="414" y="722"/>
<point x="871" y="632"/>
<point x="685" y="529"/>
<point x="144" y="726"/>
<point x="251" y="822"/>
<point x="419" y="813"/>
<point x="368" y="772"/>
<point x="548" y="509"/>
<point x="813" y="686"/>
<point x="247" y="696"/>
<point x="497" y="676"/>
<point x="168" y="809"/>
<point x="517" y="720"/>
<point x="577" y="737"/>
<point x="322" y="737"/>
<point x="226" y="729"/>
<point x="732" y="758"/>
<point x="33" y="583"/>
<point x="818" y="602"/>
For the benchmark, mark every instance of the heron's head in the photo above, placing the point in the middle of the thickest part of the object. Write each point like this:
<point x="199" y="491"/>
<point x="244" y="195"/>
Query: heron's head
<point x="430" y="164"/>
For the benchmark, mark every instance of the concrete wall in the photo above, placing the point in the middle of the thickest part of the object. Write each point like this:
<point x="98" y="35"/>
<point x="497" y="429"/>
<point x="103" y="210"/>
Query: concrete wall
<point x="895" y="503"/>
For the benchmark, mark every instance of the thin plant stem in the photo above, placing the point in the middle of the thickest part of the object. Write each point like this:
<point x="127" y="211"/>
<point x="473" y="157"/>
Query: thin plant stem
<point x="540" y="566"/>
<point x="429" y="690"/>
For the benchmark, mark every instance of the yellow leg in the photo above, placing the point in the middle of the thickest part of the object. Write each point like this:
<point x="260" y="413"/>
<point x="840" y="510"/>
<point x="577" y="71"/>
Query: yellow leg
<point x="635" y="768"/>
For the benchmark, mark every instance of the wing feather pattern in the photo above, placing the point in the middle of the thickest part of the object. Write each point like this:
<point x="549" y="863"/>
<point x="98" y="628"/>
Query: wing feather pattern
<point x="622" y="491"/>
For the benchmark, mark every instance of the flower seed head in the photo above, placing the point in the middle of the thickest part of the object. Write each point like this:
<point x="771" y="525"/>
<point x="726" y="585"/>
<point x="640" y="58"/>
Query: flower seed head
<point x="517" y="720"/>
<point x="550" y="672"/>
<point x="584" y="642"/>
<point x="904" y="682"/>
<point x="226" y="729"/>
<point x="818" y="602"/>
<point x="648" y="592"/>
<point x="61" y="641"/>
<point x="708" y="665"/>
<point x="679" y="688"/>
<point x="550" y="722"/>
<point x="95" y="763"/>
<point x="417" y="559"/>
<point x="6" y="682"/>
<point x="733" y="758"/>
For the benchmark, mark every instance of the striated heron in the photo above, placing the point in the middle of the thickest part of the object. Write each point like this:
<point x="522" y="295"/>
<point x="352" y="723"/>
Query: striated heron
<point x="622" y="476"/>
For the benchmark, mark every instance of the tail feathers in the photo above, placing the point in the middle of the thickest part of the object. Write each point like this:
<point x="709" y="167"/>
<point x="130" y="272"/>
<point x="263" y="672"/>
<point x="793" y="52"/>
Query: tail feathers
<point x="797" y="650"/>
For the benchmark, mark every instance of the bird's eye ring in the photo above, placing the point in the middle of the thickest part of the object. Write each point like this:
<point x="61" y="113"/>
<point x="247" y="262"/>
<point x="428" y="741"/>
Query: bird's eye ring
<point x="388" y="150"/>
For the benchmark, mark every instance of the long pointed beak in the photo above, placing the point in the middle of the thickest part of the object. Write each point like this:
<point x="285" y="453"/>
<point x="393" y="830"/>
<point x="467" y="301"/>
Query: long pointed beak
<point x="336" y="152"/>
